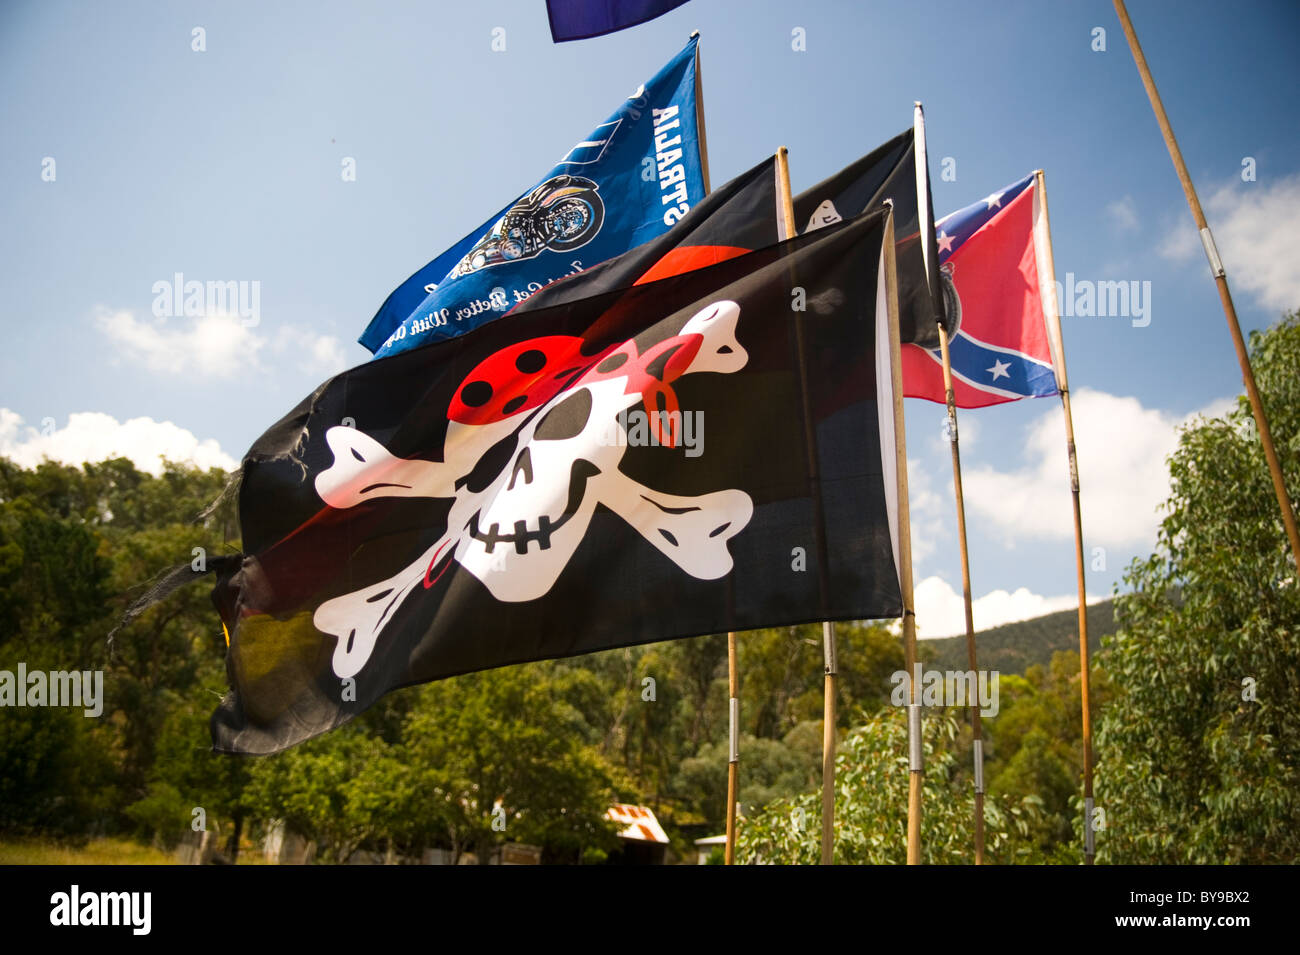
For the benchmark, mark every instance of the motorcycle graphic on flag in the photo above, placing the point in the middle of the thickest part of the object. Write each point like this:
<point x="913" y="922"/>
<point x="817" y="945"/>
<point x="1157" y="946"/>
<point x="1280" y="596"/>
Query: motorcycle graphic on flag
<point x="563" y="213"/>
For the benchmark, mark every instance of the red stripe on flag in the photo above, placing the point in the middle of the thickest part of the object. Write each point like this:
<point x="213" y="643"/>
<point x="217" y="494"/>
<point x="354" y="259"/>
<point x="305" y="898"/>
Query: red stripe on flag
<point x="688" y="259"/>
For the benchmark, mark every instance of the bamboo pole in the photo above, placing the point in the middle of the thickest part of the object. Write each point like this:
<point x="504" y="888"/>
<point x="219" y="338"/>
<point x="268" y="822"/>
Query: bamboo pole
<point x="915" y="765"/>
<point x="1221" y="280"/>
<point x="785" y="199"/>
<point x="828" y="742"/>
<point x="1084" y="668"/>
<point x="733" y="756"/>
<point x="830" y="667"/>
<point x="977" y="729"/>
<point x="785" y="230"/>
<point x="733" y="677"/>
<point x="1047" y="294"/>
<point x="699" y="117"/>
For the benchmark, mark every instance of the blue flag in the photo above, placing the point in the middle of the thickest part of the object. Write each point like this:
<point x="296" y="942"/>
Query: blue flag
<point x="581" y="19"/>
<point x="628" y="181"/>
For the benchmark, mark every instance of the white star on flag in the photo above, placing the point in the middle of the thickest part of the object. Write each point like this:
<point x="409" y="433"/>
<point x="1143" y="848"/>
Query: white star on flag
<point x="945" y="242"/>
<point x="994" y="199"/>
<point x="999" y="369"/>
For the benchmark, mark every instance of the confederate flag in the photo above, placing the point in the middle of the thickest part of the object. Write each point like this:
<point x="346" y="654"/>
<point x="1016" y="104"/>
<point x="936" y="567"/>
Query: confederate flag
<point x="999" y="292"/>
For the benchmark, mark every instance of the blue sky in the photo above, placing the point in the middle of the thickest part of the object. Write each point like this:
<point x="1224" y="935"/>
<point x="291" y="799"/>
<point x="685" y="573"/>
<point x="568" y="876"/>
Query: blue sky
<point x="225" y="164"/>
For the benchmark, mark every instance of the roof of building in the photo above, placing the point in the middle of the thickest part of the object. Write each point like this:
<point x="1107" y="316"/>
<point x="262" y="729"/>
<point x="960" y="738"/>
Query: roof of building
<point x="641" y="824"/>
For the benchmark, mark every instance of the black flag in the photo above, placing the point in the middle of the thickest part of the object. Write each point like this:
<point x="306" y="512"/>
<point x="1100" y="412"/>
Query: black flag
<point x="889" y="172"/>
<point x="711" y="451"/>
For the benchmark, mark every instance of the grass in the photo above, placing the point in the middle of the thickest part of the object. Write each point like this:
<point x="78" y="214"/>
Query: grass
<point x="94" y="852"/>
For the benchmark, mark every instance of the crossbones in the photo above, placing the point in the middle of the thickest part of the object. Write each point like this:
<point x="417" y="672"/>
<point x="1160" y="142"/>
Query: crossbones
<point x="526" y="459"/>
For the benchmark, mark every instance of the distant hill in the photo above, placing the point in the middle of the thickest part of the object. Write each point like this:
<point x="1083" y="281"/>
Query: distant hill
<point x="1012" y="647"/>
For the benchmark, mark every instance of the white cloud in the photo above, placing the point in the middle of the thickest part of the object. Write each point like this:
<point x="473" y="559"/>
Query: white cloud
<point x="1181" y="243"/>
<point x="925" y="512"/>
<point x="1123" y="476"/>
<point x="941" y="611"/>
<point x="315" y="354"/>
<point x="91" y="436"/>
<point x="216" y="345"/>
<point x="1256" y="226"/>
<point x="1123" y="214"/>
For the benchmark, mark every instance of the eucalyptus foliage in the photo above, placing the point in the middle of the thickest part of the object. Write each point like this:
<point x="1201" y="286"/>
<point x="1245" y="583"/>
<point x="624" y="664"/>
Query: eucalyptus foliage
<point x="1199" y="751"/>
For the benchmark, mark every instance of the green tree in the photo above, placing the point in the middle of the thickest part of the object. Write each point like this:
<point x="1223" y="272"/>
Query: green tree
<point x="75" y="543"/>
<point x="769" y="769"/>
<point x="506" y="755"/>
<point x="871" y="792"/>
<point x="344" y="789"/>
<point x="783" y="678"/>
<point x="1199" y="751"/>
<point x="1034" y="747"/>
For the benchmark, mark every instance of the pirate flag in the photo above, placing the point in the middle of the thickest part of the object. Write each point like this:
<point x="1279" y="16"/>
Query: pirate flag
<point x="710" y="451"/>
<point x="890" y="172"/>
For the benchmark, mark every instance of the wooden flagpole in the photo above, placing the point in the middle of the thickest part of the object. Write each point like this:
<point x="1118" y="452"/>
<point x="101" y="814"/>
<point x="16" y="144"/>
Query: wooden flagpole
<point x="733" y="747"/>
<point x="914" y="743"/>
<point x="977" y="729"/>
<point x="915" y="764"/>
<point x="788" y="230"/>
<point x="699" y="117"/>
<point x="828" y="742"/>
<point x="733" y="676"/>
<point x="1220" y="279"/>
<point x="1047" y="294"/>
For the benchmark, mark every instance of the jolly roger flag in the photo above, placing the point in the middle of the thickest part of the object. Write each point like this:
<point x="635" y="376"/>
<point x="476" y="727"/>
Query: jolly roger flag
<point x="889" y="172"/>
<point x="654" y="463"/>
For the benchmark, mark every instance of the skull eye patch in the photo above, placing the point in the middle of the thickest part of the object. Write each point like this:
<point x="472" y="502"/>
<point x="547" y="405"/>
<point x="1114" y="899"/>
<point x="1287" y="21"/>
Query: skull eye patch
<point x="612" y="363"/>
<point x="492" y="463"/>
<point x="567" y="419"/>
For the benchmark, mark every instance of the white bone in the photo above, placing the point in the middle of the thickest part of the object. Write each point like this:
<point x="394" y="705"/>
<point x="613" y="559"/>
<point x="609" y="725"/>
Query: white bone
<point x="360" y="616"/>
<point x="693" y="533"/>
<point x="364" y="469"/>
<point x="720" y="351"/>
